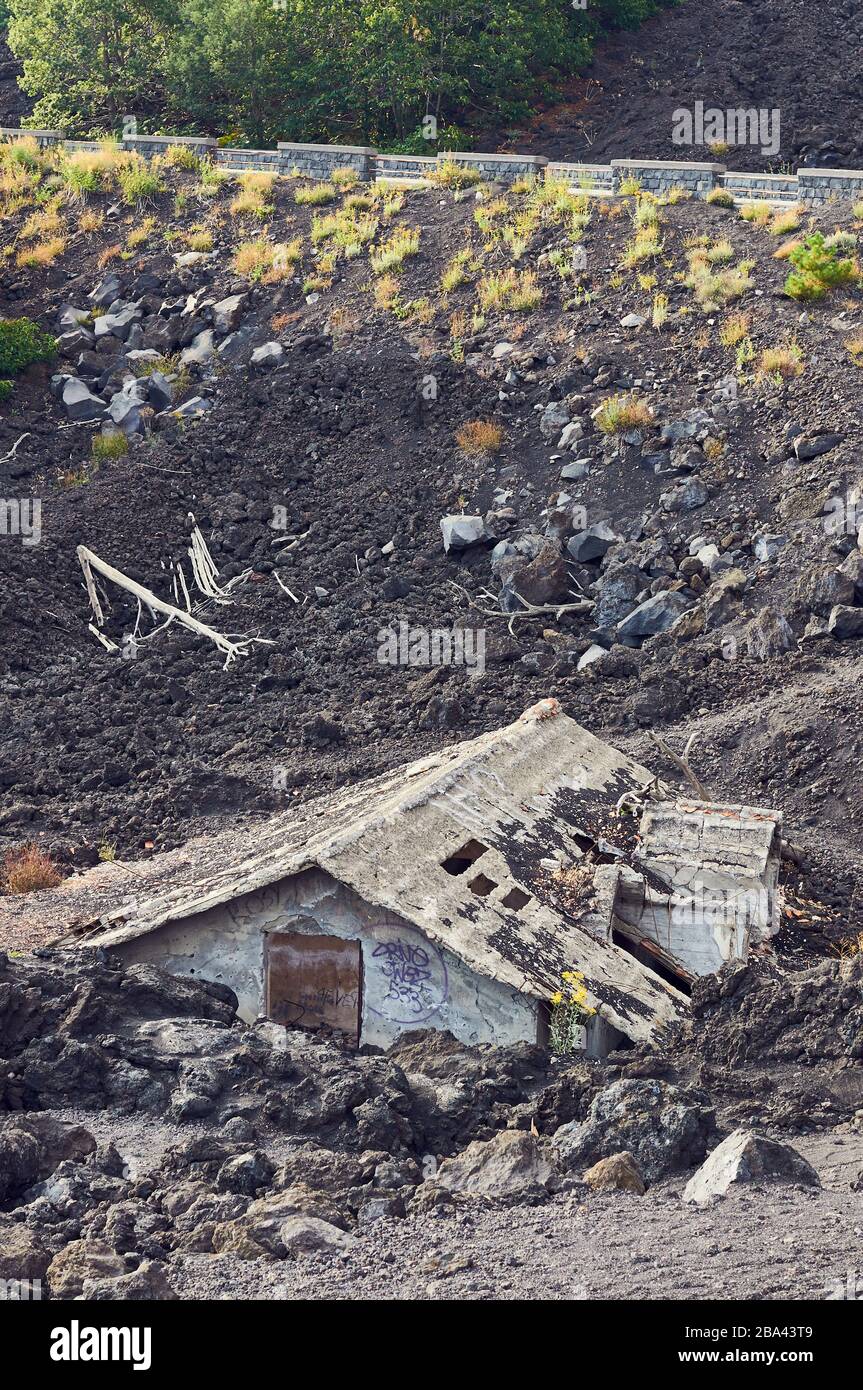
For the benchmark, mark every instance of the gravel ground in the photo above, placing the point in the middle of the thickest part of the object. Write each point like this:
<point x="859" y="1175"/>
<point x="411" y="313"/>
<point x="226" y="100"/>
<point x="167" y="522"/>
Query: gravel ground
<point x="761" y="1243"/>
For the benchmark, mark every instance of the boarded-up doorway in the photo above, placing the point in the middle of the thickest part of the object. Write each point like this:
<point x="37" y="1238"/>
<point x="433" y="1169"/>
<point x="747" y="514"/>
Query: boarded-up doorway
<point x="315" y="982"/>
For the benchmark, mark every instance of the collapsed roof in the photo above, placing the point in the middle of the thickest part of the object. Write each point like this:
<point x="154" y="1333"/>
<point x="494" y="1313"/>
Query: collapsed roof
<point x="483" y="847"/>
<point x="509" y="850"/>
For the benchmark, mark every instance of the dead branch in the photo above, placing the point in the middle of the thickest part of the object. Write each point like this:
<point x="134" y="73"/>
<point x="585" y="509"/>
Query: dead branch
<point x="530" y="610"/>
<point x="282" y="585"/>
<point x="682" y="762"/>
<point x="204" y="569"/>
<point x="88" y="560"/>
<point x="11" y="453"/>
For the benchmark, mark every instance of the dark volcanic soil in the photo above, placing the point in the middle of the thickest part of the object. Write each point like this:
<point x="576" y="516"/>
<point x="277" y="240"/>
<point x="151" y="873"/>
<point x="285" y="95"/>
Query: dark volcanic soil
<point x="142" y="753"/>
<point x="804" y="60"/>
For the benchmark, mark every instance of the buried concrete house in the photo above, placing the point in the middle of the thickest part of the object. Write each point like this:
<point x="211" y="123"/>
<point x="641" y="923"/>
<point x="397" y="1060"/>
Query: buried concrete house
<point x="453" y="892"/>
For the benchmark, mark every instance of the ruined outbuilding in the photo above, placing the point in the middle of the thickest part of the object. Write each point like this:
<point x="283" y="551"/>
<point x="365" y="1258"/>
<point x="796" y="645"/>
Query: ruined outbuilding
<point x="453" y="892"/>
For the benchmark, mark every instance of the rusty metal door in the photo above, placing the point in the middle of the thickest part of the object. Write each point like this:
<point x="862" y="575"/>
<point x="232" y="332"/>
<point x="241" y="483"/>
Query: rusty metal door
<point x="314" y="982"/>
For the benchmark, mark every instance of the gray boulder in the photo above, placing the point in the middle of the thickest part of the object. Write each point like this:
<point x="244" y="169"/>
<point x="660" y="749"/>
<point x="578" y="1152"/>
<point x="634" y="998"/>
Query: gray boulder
<point x="197" y="405"/>
<point x="769" y="634"/>
<point x="80" y="403"/>
<point x="656" y="614"/>
<point x="542" y="578"/>
<point x="118" y="324"/>
<point x="686" y="497"/>
<point x="305" y="1235"/>
<point x="461" y="532"/>
<point x="80" y="1261"/>
<point x="553" y="419"/>
<point x="593" y="653"/>
<point x="666" y="1129"/>
<point x="148" y="1283"/>
<point x="125" y="408"/>
<point x="201" y="350"/>
<point x="845" y="623"/>
<point x="267" y="356"/>
<point x="571" y="436"/>
<point x="592" y="543"/>
<point x="852" y="568"/>
<point x="105" y="292"/>
<point x="74" y="341"/>
<point x="70" y="317"/>
<point x="160" y="392"/>
<point x="617" y="594"/>
<point x="748" y="1157"/>
<point x="227" y="313"/>
<point x="806" y="447"/>
<point x="509" y="1165"/>
<point x="825" y="587"/>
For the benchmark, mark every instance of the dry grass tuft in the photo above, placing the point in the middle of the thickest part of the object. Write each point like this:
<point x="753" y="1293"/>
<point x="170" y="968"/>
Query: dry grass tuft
<point x="27" y="870"/>
<point x="617" y="414"/>
<point x="480" y="438"/>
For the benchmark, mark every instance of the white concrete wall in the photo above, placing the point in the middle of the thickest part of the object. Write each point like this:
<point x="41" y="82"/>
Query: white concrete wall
<point x="408" y="981"/>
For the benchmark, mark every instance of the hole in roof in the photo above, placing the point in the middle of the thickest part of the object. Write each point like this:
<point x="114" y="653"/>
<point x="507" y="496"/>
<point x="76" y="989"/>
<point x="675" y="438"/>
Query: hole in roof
<point x="460" y="862"/>
<point x="515" y="899"/>
<point x="481" y="885"/>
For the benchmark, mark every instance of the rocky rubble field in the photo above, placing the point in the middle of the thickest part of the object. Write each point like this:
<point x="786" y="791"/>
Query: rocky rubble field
<point x="151" y="1145"/>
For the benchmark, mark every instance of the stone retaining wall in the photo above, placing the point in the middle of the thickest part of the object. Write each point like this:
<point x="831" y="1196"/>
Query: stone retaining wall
<point x="660" y="175"/>
<point x="320" y="161"/>
<point x="819" y="185"/>
<point x="500" y="168"/>
<point x="810" y="186"/>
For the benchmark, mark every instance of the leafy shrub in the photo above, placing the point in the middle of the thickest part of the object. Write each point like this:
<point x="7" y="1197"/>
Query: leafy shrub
<point x="784" y="222"/>
<point x="315" y="195"/>
<point x="21" y="343"/>
<point x="818" y="268"/>
<point x="720" y="198"/>
<point x="452" y="174"/>
<point x="6" y="389"/>
<point x="181" y="157"/>
<point x="42" y="253"/>
<point x="403" y="243"/>
<point x="759" y="213"/>
<point x="783" y="361"/>
<point x="290" y="71"/>
<point x="734" y="330"/>
<point x="345" y="178"/>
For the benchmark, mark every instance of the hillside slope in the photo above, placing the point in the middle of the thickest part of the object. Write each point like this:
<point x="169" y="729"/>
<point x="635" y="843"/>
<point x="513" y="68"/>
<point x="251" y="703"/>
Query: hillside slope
<point x="350" y="448"/>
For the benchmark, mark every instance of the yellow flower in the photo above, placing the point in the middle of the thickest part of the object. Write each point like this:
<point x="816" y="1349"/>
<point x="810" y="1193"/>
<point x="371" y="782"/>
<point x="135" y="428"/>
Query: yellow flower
<point x="557" y="998"/>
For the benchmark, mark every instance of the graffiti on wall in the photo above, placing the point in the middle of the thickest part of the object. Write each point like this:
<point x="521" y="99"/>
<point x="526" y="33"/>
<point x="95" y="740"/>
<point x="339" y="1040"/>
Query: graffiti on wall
<point x="413" y="982"/>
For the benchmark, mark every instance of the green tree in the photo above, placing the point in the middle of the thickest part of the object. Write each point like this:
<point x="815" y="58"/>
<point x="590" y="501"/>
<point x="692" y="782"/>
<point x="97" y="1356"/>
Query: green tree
<point x="90" y="62"/>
